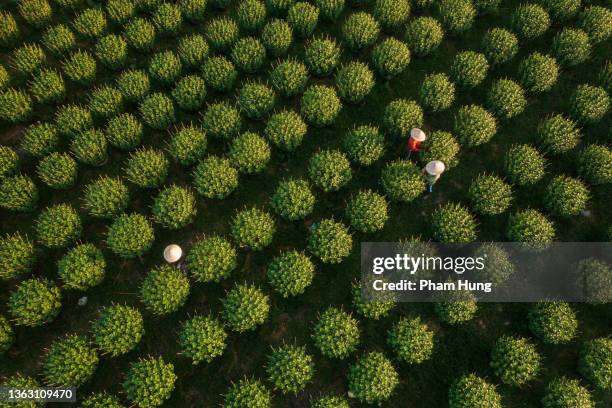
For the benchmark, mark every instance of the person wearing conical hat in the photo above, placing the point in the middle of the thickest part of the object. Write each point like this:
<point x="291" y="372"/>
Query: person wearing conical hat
<point x="432" y="172"/>
<point x="416" y="139"/>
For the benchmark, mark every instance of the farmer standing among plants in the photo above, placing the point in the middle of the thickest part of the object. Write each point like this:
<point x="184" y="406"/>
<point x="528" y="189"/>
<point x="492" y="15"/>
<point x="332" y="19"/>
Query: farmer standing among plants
<point x="432" y="172"/>
<point x="415" y="140"/>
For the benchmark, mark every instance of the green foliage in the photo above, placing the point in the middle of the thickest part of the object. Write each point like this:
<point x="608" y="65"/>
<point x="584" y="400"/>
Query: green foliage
<point x="47" y="86"/>
<point x="489" y="195"/>
<point x="595" y="361"/>
<point x="515" y="360"/>
<point x="248" y="54"/>
<point x="277" y="36"/>
<point x="256" y="99"/>
<point x="111" y="50"/>
<point x="411" y="340"/>
<point x="442" y="146"/>
<point x="21" y="382"/>
<point x="391" y="13"/>
<point x="118" y="329"/>
<point x="498" y="267"/>
<point x="506" y="98"/>
<point x="244" y="308"/>
<point x="192" y="50"/>
<point x="189" y="92"/>
<point x="330" y="241"/>
<point x="80" y="67"/>
<point x="538" y="72"/>
<point x="18" y="193"/>
<point x="27" y="59"/>
<point x="82" y="267"/>
<point x="58" y="226"/>
<point x="530" y="227"/>
<point x="293" y="199"/>
<point x="5" y="78"/>
<point x="90" y="23"/>
<point x="329" y="170"/>
<point x="372" y="379"/>
<point x="106" y="197"/>
<point x="105" y="101"/>
<point x="562" y="9"/>
<point x="9" y="161"/>
<point x="320" y="105"/>
<point x="471" y="391"/>
<point x="211" y="259"/>
<point x="124" y="131"/>
<point x="202" y="339"/>
<point x="289" y="77"/>
<point x="423" y="35"/>
<point x="499" y="45"/>
<point x="250" y="153"/>
<point x="453" y="223"/>
<point x="187" y="144"/>
<point x="589" y="104"/>
<point x="474" y="125"/>
<point x="157" y="111"/>
<point x="70" y="361"/>
<point x="130" y="235"/>
<point x="15" y="105"/>
<point x="321" y="56"/>
<point x="375" y="309"/>
<point x="530" y="20"/>
<point x="595" y="164"/>
<point x="367" y="211"/>
<point x="251" y="14"/>
<point x="221" y="32"/>
<point x="167" y="18"/>
<point x="90" y="147"/>
<point x="564" y="392"/>
<point x="165" y="67"/>
<point x="248" y="394"/>
<point x="401" y="115"/>
<point x="364" y="145"/>
<point x="437" y="92"/>
<point x="37" y="13"/>
<point x="219" y="73"/>
<point x="215" y="177"/>
<point x="484" y="7"/>
<point x="140" y="34"/>
<point x="34" y="302"/>
<point x="330" y="9"/>
<point x="147" y="168"/>
<point x="17" y="256"/>
<point x="524" y="165"/>
<point x="553" y="322"/>
<point x="9" y="30"/>
<point x="303" y="18"/>
<point x="133" y="84"/>
<point x="354" y="81"/>
<point x="594" y="280"/>
<point x="164" y="290"/>
<point x="336" y="333"/>
<point x="290" y="273"/>
<point x="194" y="10"/>
<point x="253" y="229"/>
<point x="456" y="308"/>
<point x="101" y="400"/>
<point x="221" y="119"/>
<point x="457" y="15"/>
<point x="330" y="401"/>
<point x="149" y="382"/>
<point x="596" y="21"/>
<point x="174" y="207"/>
<point x="360" y="30"/>
<point x="402" y="181"/>
<point x="7" y="335"/>
<point x="278" y="7"/>
<point x="290" y="368"/>
<point x="558" y="134"/>
<point x="469" y="69"/>
<point x="571" y="46"/>
<point x="120" y="11"/>
<point x="390" y="57"/>
<point x="566" y="196"/>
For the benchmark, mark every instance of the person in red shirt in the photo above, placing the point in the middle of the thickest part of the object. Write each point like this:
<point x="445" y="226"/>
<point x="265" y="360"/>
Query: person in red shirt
<point x="416" y="139"/>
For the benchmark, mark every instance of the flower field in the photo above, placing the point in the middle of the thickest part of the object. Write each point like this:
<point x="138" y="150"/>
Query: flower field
<point x="268" y="139"/>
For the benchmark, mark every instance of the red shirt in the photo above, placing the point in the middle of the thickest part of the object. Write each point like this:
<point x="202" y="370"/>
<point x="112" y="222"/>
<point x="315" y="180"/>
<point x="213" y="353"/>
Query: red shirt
<point x="414" y="145"/>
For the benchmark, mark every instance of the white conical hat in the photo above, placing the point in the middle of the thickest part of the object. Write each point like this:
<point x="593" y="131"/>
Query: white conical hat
<point x="417" y="134"/>
<point x="435" y="167"/>
<point x="172" y="253"/>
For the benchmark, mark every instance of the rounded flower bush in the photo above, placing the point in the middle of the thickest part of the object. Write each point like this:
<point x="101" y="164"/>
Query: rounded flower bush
<point x="34" y="302"/>
<point x="149" y="382"/>
<point x="27" y="59"/>
<point x="354" y="81"/>
<point x="90" y="23"/>
<point x="193" y="50"/>
<point x="250" y="153"/>
<point x="564" y="392"/>
<point x="289" y="77"/>
<point x="82" y="267"/>
<point x="320" y="105"/>
<point x="98" y="399"/>
<point x="303" y="17"/>
<point x="222" y="120"/>
<point x="336" y="333"/>
<point x="124" y="131"/>
<point x="423" y="35"/>
<point x="489" y="195"/>
<point x="530" y="20"/>
<point x="456" y="308"/>
<point x="360" y="30"/>
<point x="120" y="11"/>
<point x="187" y="144"/>
<point x="390" y="57"/>
<point x="165" y="67"/>
<point x="437" y="92"/>
<point x="9" y="161"/>
<point x="211" y="259"/>
<point x="595" y="20"/>
<point x="506" y="98"/>
<point x="290" y="368"/>
<point x="17" y="256"/>
<point x="474" y="125"/>
<point x="221" y="32"/>
<point x="369" y="308"/>
<point x="562" y="10"/>
<point x="329" y="170"/>
<point x="571" y="46"/>
<point x="321" y="56"/>
<point x="367" y="211"/>
<point x="167" y="18"/>
<point x="18" y="193"/>
<point x="248" y="393"/>
<point x="47" y="86"/>
<point x="147" y="168"/>
<point x="538" y="72"/>
<point x="293" y="199"/>
<point x="105" y="101"/>
<point x="248" y="54"/>
<point x="330" y="401"/>
<point x="111" y="50"/>
<point x="277" y="36"/>
<point x="202" y="339"/>
<point x="219" y="73"/>
<point x="364" y="145"/>
<point x="469" y="69"/>
<point x="553" y="322"/>
<point x="256" y="100"/>
<point x="441" y="146"/>
<point x="57" y="170"/>
<point x="130" y="235"/>
<point x="15" y="105"/>
<point x="391" y="13"/>
<point x="453" y="223"/>
<point x="189" y="93"/>
<point x="595" y="164"/>
<point x="174" y="207"/>
<point x="372" y="379"/>
<point x="499" y="45"/>
<point x="411" y="340"/>
<point x="70" y="361"/>
<point x="566" y="196"/>
<point x="498" y="267"/>
<point x="290" y="273"/>
<point x="558" y="134"/>
<point x="140" y="34"/>
<point x="58" y="226"/>
<point x="7" y="335"/>
<point x="286" y="130"/>
<point x="589" y="104"/>
<point x="329" y="9"/>
<point x="515" y="360"/>
<point x="471" y="391"/>
<point x="531" y="228"/>
<point x="457" y="15"/>
<point x="244" y="308"/>
<point x="118" y="329"/>
<point x="35" y="12"/>
<point x="215" y="177"/>
<point x="10" y="30"/>
<point x="40" y="139"/>
<point x="401" y="115"/>
<point x="90" y="147"/>
<point x="164" y="290"/>
<point x="402" y="181"/>
<point x="253" y="229"/>
<point x="524" y="165"/>
<point x="595" y="360"/>
<point x="330" y="241"/>
<point x="134" y="85"/>
<point x="157" y="111"/>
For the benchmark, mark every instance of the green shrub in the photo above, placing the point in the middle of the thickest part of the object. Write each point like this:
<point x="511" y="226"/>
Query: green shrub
<point x="17" y="256"/>
<point x="40" y="139"/>
<point x="469" y="69"/>
<point x="27" y="59"/>
<point x="442" y="146"/>
<point x="244" y="308"/>
<point x="157" y="111"/>
<point x="192" y="50"/>
<point x="90" y="147"/>
<point x="277" y="36"/>
<point x="471" y="391"/>
<point x="70" y="5"/>
<point x="499" y="45"/>
<point x="330" y="401"/>
<point x="364" y="145"/>
<point x="174" y="207"/>
<point x="219" y="73"/>
<point x="69" y="361"/>
<point x="120" y="11"/>
<point x="251" y="14"/>
<point x="423" y="35"/>
<point x="303" y="18"/>
<point x="566" y="196"/>
<point x="506" y="98"/>
<point x="34" y="302"/>
<point x="134" y="85"/>
<point x="330" y="241"/>
<point x="18" y="193"/>
<point x="562" y="9"/>
<point x="80" y="67"/>
<point x="187" y="144"/>
<point x="293" y="199"/>
<point x="391" y="13"/>
<point x="165" y="66"/>
<point x="222" y="120"/>
<point x="336" y="333"/>
<point x="189" y="92"/>
<point x="437" y="92"/>
<point x="594" y="278"/>
<point x="215" y="177"/>
<point x="453" y="223"/>
<point x="82" y="267"/>
<point x="221" y="32"/>
<point x="596" y="21"/>
<point x="90" y="23"/>
<point x="330" y="9"/>
<point x="37" y="13"/>
<point x="57" y="170"/>
<point x="354" y="81"/>
<point x="360" y="30"/>
<point x="124" y="131"/>
<point x="147" y="168"/>
<point x="289" y="77"/>
<point x="457" y="15"/>
<point x="105" y="102"/>
<point x="390" y="58"/>
<point x="553" y="322"/>
<point x="531" y="228"/>
<point x="248" y="394"/>
<point x="538" y="72"/>
<point x="9" y="161"/>
<point x="164" y="290"/>
<point x="411" y="340"/>
<point x="498" y="267"/>
<point x="530" y="20"/>
<point x="320" y="105"/>
<point x="149" y="382"/>
<point x="524" y="165"/>
<point x="290" y="273"/>
<point x="9" y="30"/>
<point x="111" y="50"/>
<point x="202" y="338"/>
<point x="140" y="34"/>
<point x="278" y="7"/>
<point x="368" y="308"/>
<point x="484" y="7"/>
<point x="253" y="229"/>
<point x="168" y="19"/>
<point x="321" y="56"/>
<point x="256" y="99"/>
<point x="595" y="164"/>
<point x="563" y="392"/>
<point x="7" y="335"/>
<point x="211" y="259"/>
<point x="101" y="399"/>
<point x="589" y="104"/>
<point x="329" y="170"/>
<point x="5" y="78"/>
<point x="456" y="308"/>
<point x="595" y="360"/>
<point x="58" y="226"/>
<point x="515" y="360"/>
<point x="489" y="195"/>
<point x="401" y="115"/>
<point x="372" y="379"/>
<point x="250" y="153"/>
<point x="474" y="125"/>
<point x="290" y="368"/>
<point x="47" y="86"/>
<point x="367" y="211"/>
<point x="194" y="10"/>
<point x="130" y="235"/>
<point x="248" y="54"/>
<point x="402" y="181"/>
<point x="106" y="197"/>
<point x="15" y="105"/>
<point x="571" y="46"/>
<point x="558" y="134"/>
